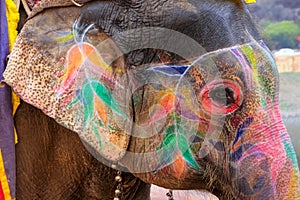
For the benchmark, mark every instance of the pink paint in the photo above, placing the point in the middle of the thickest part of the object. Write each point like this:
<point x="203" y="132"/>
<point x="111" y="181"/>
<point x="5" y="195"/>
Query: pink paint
<point x="67" y="83"/>
<point x="165" y="107"/>
<point x="269" y="141"/>
<point x="215" y="107"/>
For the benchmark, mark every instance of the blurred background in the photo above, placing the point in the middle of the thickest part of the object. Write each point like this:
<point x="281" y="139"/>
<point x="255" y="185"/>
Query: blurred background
<point x="279" y="23"/>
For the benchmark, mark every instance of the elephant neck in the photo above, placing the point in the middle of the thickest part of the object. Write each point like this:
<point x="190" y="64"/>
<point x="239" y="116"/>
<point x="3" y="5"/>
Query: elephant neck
<point x="134" y="188"/>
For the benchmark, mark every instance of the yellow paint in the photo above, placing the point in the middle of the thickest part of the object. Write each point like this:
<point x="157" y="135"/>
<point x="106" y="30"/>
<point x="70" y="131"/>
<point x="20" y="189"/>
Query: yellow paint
<point x="97" y="60"/>
<point x="3" y="180"/>
<point x="253" y="61"/>
<point x="65" y="38"/>
<point x="293" y="192"/>
<point x="250" y="1"/>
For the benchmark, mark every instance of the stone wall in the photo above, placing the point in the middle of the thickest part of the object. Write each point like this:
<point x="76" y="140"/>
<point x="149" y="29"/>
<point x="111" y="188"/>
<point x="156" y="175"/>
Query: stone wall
<point x="288" y="63"/>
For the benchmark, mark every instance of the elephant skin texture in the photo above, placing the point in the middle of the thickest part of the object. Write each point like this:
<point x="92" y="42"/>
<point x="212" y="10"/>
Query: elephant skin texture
<point x="182" y="94"/>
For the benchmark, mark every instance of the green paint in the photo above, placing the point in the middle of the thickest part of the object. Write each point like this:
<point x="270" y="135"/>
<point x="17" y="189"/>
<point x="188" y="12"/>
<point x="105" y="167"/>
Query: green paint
<point x="291" y="154"/>
<point x="88" y="102"/>
<point x="248" y="51"/>
<point x="262" y="99"/>
<point x="106" y="96"/>
<point x="169" y="139"/>
<point x="100" y="123"/>
<point x="66" y="38"/>
<point x="184" y="148"/>
<point x="97" y="133"/>
<point x="261" y="81"/>
<point x="86" y="97"/>
<point x="115" y="129"/>
<point x="174" y="140"/>
<point x="267" y="86"/>
<point x="74" y="102"/>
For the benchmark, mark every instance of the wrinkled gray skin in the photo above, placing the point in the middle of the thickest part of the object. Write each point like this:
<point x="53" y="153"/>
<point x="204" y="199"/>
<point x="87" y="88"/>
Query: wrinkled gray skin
<point x="53" y="164"/>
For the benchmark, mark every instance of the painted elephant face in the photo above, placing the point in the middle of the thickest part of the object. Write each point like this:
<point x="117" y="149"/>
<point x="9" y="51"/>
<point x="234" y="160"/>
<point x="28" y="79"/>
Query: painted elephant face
<point x="184" y="94"/>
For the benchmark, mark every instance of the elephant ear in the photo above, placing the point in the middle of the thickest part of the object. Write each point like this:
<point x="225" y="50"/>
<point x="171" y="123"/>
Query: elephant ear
<point x="73" y="77"/>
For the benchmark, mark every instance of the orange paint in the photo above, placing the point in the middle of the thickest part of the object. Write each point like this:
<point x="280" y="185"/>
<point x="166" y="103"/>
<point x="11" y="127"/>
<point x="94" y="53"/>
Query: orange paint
<point x="75" y="58"/>
<point x="178" y="167"/>
<point x="168" y="102"/>
<point x="74" y="61"/>
<point x="237" y="145"/>
<point x="101" y="110"/>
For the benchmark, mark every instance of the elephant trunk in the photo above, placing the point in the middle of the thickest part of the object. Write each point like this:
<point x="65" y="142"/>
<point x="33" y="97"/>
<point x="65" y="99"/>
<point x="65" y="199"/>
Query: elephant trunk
<point x="263" y="163"/>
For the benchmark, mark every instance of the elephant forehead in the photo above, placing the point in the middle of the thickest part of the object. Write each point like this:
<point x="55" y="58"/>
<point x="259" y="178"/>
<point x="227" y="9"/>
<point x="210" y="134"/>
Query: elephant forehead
<point x="204" y="21"/>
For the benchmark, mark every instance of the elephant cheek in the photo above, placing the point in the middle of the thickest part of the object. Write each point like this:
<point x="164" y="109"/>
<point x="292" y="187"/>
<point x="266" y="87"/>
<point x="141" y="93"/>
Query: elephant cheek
<point x="177" y="168"/>
<point x="147" y="164"/>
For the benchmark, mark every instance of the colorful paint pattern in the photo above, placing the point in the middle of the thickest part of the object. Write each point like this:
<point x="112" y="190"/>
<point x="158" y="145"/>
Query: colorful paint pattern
<point x="259" y="134"/>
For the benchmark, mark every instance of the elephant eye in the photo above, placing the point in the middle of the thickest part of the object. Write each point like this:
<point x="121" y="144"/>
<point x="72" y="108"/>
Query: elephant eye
<point x="221" y="97"/>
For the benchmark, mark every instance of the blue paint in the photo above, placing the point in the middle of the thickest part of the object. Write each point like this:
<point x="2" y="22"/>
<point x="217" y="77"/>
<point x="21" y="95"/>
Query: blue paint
<point x="242" y="129"/>
<point x="237" y="155"/>
<point x="170" y="70"/>
<point x="264" y="165"/>
<point x="248" y="189"/>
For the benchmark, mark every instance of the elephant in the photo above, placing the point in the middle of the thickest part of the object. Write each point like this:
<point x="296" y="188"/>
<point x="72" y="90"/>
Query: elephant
<point x="118" y="95"/>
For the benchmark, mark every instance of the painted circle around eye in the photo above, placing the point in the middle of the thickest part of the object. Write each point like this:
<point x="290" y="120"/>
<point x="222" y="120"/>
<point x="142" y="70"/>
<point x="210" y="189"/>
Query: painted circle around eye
<point x="221" y="97"/>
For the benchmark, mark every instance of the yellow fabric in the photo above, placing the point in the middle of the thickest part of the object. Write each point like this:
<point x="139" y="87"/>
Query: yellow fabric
<point x="250" y="1"/>
<point x="13" y="18"/>
<point x="15" y="103"/>
<point x="3" y="180"/>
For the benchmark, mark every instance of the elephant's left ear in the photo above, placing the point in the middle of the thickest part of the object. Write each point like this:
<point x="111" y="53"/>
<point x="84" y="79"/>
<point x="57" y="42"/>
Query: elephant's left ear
<point x="77" y="77"/>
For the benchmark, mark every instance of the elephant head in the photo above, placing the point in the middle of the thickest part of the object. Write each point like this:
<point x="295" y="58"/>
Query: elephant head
<point x="183" y="94"/>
